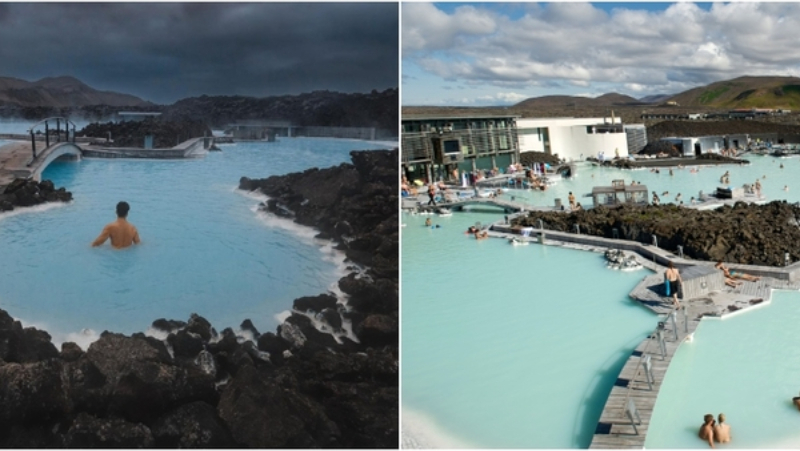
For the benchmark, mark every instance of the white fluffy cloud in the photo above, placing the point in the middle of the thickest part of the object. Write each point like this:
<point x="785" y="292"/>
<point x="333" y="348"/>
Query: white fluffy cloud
<point x="642" y="52"/>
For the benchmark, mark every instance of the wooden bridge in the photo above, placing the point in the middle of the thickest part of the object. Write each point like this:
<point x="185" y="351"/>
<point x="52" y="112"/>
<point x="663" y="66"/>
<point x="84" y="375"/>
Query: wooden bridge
<point x="507" y="205"/>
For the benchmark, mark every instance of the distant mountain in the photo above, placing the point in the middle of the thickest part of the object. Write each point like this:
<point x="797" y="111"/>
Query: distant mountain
<point x="610" y="99"/>
<point x="656" y="98"/>
<point x="744" y="92"/>
<point x="325" y="108"/>
<point x="57" y="92"/>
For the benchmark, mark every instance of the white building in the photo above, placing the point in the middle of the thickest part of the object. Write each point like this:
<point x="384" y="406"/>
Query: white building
<point x="709" y="144"/>
<point x="573" y="139"/>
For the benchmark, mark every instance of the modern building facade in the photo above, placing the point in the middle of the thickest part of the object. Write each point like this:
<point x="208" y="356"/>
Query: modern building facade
<point x="694" y="146"/>
<point x="433" y="147"/>
<point x="573" y="139"/>
<point x="637" y="137"/>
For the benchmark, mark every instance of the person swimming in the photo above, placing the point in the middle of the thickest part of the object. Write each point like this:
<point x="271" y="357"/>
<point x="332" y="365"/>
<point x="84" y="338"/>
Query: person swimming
<point x="121" y="232"/>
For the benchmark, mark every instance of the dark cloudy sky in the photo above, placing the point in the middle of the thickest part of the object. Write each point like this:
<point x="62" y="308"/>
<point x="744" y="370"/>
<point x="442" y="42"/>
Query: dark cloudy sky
<point x="163" y="52"/>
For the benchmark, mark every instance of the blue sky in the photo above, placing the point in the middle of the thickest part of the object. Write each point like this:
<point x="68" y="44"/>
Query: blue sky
<point x="474" y="54"/>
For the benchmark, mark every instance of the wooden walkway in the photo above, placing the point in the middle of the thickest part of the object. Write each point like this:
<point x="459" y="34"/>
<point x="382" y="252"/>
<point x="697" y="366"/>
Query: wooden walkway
<point x="615" y="430"/>
<point x="497" y="202"/>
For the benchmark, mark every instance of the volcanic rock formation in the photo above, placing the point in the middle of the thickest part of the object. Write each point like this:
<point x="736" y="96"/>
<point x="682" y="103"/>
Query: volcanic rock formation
<point x="744" y="233"/>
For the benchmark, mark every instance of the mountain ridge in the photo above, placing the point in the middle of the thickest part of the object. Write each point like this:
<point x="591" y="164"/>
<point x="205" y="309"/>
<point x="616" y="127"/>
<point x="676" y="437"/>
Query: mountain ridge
<point x="61" y="91"/>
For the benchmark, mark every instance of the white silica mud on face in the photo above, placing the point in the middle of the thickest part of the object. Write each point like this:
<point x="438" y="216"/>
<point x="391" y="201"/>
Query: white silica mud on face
<point x="204" y="248"/>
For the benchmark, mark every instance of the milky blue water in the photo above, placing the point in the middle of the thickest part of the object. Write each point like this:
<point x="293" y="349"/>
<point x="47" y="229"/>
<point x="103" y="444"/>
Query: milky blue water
<point x="513" y="347"/>
<point x="510" y="347"/>
<point x="745" y="367"/>
<point x="205" y="249"/>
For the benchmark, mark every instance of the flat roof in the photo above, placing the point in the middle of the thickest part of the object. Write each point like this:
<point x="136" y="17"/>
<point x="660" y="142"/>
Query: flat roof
<point x="435" y="117"/>
<point x="139" y="113"/>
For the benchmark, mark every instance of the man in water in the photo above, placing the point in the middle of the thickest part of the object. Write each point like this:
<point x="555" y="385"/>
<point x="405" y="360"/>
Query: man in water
<point x="673" y="277"/>
<point x="722" y="431"/>
<point x="121" y="232"/>
<point x="707" y="429"/>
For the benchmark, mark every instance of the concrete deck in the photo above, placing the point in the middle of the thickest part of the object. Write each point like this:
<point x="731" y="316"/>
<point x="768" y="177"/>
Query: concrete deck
<point x="14" y="159"/>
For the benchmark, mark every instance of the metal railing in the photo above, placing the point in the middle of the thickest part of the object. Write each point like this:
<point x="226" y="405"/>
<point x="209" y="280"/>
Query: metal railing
<point x="46" y="123"/>
<point x="645" y="363"/>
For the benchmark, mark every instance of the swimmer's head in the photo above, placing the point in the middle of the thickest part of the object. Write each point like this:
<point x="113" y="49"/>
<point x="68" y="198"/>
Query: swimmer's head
<point x="122" y="209"/>
<point x="708" y="418"/>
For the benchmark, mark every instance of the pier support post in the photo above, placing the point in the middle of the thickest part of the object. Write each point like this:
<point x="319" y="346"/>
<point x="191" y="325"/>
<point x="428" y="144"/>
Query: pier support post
<point x="33" y="144"/>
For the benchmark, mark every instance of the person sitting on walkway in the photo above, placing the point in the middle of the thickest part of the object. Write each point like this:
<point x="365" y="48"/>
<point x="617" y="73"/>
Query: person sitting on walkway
<point x="735" y="274"/>
<point x="722" y="431"/>
<point x="707" y="429"/>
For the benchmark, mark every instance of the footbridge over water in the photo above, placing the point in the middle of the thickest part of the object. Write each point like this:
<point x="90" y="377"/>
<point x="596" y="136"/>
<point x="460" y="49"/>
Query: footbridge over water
<point x="507" y="205"/>
<point x="18" y="160"/>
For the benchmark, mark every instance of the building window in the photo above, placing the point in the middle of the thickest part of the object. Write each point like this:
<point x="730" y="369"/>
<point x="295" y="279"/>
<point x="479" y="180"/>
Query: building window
<point x="503" y="142"/>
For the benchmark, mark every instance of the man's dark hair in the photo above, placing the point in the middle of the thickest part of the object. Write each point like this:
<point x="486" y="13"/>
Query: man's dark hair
<point x="122" y="209"/>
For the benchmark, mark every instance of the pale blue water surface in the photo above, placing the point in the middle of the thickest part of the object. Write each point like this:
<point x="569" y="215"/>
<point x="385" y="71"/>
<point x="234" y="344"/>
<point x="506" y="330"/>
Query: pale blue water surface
<point x="518" y="346"/>
<point x="205" y="249"/>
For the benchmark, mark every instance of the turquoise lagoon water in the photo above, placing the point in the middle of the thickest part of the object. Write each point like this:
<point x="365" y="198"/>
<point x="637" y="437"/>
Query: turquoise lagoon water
<point x="745" y="367"/>
<point x="509" y="347"/>
<point x="205" y="249"/>
<point x="513" y="347"/>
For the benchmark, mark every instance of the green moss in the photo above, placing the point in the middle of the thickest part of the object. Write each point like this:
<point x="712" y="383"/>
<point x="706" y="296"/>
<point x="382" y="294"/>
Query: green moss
<point x="710" y="95"/>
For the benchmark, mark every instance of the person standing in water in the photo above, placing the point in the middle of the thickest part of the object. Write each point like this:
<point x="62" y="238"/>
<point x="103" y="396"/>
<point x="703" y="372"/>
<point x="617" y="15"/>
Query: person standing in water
<point x="121" y="232"/>
<point x="722" y="431"/>
<point x="707" y="429"/>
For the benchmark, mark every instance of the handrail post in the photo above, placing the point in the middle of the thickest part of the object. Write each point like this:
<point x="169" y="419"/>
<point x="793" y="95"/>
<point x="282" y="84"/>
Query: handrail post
<point x="673" y="316"/>
<point x="33" y="144"/>
<point x="648" y="370"/>
<point x="660" y="337"/>
<point x="46" y="135"/>
<point x="686" y="320"/>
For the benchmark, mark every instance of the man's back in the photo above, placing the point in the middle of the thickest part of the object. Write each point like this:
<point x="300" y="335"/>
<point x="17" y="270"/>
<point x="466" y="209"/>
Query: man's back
<point x="722" y="433"/>
<point x="121" y="232"/>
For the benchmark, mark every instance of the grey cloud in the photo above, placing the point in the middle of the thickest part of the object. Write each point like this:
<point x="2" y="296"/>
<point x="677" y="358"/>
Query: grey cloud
<point x="167" y="51"/>
<point x="683" y="45"/>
